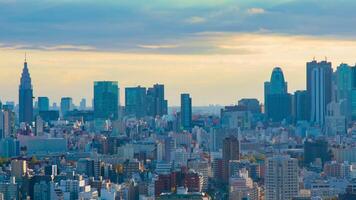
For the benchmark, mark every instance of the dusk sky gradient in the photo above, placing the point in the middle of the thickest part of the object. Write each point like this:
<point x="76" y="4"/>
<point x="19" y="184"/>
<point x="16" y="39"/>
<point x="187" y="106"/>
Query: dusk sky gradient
<point x="216" y="50"/>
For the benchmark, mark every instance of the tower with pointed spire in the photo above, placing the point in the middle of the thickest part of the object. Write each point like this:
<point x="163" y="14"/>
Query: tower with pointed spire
<point x="25" y="96"/>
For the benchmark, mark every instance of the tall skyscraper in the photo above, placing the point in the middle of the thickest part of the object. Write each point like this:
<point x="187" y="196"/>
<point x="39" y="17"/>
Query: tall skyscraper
<point x="43" y="104"/>
<point x="66" y="105"/>
<point x="278" y="103"/>
<point x="281" y="179"/>
<point x="344" y="79"/>
<point x="353" y="93"/>
<point x="231" y="151"/>
<point x="7" y="123"/>
<point x="25" y="96"/>
<point x="301" y="112"/>
<point x="186" y="111"/>
<point x="319" y="77"/>
<point x="106" y="100"/>
<point x="157" y="105"/>
<point x="135" y="101"/>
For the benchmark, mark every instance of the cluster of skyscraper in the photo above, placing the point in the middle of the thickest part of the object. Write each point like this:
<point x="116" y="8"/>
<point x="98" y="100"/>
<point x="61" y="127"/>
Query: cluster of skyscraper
<point x="139" y="102"/>
<point x="328" y="95"/>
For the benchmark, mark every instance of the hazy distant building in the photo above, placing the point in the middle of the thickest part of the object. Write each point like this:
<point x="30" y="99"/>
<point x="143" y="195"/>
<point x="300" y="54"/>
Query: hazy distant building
<point x="25" y="97"/>
<point x="236" y="117"/>
<point x="252" y="105"/>
<point x="319" y="77"/>
<point x="106" y="99"/>
<point x="344" y="79"/>
<point x="83" y="104"/>
<point x="281" y="180"/>
<point x="156" y="103"/>
<point x="186" y="111"/>
<point x="66" y="105"/>
<point x="336" y="118"/>
<point x="43" y="104"/>
<point x="135" y="101"/>
<point x="278" y="103"/>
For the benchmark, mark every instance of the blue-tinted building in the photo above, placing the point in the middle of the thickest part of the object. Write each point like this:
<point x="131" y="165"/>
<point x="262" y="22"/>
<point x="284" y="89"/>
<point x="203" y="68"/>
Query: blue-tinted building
<point x="106" y="100"/>
<point x="319" y="87"/>
<point x="43" y="104"/>
<point x="25" y="97"/>
<point x="156" y="103"/>
<point x="135" y="101"/>
<point x="301" y="112"/>
<point x="66" y="105"/>
<point x="186" y="111"/>
<point x="278" y="103"/>
<point x="9" y="147"/>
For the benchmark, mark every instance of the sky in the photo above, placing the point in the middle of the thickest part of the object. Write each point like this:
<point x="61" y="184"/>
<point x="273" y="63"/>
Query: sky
<point x="217" y="50"/>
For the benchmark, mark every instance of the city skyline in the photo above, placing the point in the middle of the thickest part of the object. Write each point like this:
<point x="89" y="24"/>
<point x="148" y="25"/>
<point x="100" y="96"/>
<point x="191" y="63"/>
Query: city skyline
<point x="178" y="99"/>
<point x="229" y="95"/>
<point x="207" y="49"/>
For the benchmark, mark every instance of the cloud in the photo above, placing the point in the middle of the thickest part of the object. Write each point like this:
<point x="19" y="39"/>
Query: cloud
<point x="255" y="11"/>
<point x="158" y="46"/>
<point x="62" y="47"/>
<point x="196" y="20"/>
<point x="68" y="47"/>
<point x="129" y="26"/>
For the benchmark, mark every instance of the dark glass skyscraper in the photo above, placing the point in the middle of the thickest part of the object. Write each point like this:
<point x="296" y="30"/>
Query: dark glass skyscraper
<point x="186" y="111"/>
<point x="135" y="101"/>
<point x="106" y="99"/>
<point x="319" y="87"/>
<point x="157" y="105"/>
<point x="301" y="106"/>
<point x="278" y="103"/>
<point x="25" y="97"/>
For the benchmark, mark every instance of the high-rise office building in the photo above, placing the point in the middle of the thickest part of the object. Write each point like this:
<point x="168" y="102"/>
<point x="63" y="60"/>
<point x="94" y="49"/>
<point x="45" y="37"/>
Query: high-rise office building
<point x="230" y="151"/>
<point x="353" y="93"/>
<point x="135" y="101"/>
<point x="186" y="111"/>
<point x="344" y="86"/>
<point x="301" y="112"/>
<point x="278" y="103"/>
<point x="66" y="105"/>
<point x="156" y="103"/>
<point x="319" y="81"/>
<point x="106" y="100"/>
<point x="8" y="121"/>
<point x="281" y="178"/>
<point x="25" y="96"/>
<point x="43" y="104"/>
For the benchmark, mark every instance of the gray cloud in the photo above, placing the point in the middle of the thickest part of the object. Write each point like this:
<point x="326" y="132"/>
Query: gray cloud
<point x="128" y="26"/>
